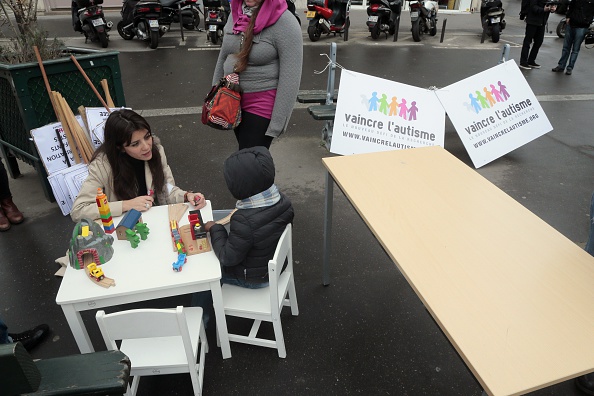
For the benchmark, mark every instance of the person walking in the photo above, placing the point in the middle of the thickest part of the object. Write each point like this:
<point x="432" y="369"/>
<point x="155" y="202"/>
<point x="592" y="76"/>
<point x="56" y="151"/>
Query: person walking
<point x="536" y="19"/>
<point x="9" y="213"/>
<point x="264" y="45"/>
<point x="578" y="19"/>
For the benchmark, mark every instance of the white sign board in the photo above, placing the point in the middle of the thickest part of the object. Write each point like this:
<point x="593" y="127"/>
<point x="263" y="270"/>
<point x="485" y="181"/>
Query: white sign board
<point x="374" y="114"/>
<point x="66" y="185"/>
<point x="49" y="147"/>
<point x="96" y="117"/>
<point x="494" y="112"/>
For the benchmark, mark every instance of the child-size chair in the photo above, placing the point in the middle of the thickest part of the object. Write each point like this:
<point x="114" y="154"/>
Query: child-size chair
<point x="158" y="341"/>
<point x="266" y="304"/>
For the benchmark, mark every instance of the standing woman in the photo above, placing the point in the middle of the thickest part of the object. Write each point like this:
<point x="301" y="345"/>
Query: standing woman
<point x="131" y="168"/>
<point x="264" y="44"/>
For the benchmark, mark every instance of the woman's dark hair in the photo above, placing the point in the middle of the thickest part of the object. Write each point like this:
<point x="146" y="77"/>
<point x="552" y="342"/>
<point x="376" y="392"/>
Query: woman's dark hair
<point x="119" y="127"/>
<point x="248" y="37"/>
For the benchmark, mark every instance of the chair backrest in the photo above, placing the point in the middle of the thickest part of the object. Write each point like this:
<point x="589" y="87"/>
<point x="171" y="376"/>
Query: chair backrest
<point x="279" y="279"/>
<point x="144" y="323"/>
<point x="19" y="372"/>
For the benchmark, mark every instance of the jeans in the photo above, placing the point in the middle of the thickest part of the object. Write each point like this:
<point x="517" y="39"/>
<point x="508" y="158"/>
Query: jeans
<point x="574" y="36"/>
<point x="535" y="33"/>
<point x="4" y="338"/>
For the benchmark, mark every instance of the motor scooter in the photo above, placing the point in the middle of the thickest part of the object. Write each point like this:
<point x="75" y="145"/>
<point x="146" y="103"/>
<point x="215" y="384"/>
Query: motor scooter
<point x="216" y="13"/>
<point x="140" y="19"/>
<point x="174" y="11"/>
<point x="423" y="17"/>
<point x="383" y="17"/>
<point x="328" y="16"/>
<point x="492" y="19"/>
<point x="91" y="21"/>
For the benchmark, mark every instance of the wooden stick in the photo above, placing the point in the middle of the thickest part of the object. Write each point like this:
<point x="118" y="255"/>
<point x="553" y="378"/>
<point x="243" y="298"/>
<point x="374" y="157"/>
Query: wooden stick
<point x="65" y="127"/>
<point x="83" y="114"/>
<point x="108" y="98"/>
<point x="77" y="130"/>
<point x="90" y="83"/>
<point x="72" y="125"/>
<point x="49" y="93"/>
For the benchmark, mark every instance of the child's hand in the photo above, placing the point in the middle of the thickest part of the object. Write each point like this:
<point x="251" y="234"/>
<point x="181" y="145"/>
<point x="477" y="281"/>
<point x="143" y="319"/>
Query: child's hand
<point x="208" y="225"/>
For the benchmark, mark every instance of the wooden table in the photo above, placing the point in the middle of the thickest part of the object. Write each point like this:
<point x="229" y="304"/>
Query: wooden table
<point x="141" y="274"/>
<point x="514" y="296"/>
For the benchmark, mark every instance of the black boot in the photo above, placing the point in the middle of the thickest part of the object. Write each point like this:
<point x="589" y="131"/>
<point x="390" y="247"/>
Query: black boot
<point x="585" y="383"/>
<point x="31" y="338"/>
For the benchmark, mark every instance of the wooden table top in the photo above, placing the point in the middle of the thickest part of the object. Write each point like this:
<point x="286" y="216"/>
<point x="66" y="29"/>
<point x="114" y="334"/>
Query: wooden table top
<point x="513" y="295"/>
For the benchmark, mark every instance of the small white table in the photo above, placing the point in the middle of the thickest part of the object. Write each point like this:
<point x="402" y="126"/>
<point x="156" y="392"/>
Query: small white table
<point x="141" y="274"/>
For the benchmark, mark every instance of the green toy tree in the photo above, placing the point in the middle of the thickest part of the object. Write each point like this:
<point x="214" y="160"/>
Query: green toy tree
<point x="132" y="238"/>
<point x="142" y="230"/>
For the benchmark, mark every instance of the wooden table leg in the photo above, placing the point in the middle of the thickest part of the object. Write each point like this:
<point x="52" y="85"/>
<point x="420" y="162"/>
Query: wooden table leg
<point x="81" y="336"/>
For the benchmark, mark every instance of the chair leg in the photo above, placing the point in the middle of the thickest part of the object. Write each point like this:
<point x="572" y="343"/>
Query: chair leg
<point x="134" y="387"/>
<point x="279" y="338"/>
<point x="293" y="298"/>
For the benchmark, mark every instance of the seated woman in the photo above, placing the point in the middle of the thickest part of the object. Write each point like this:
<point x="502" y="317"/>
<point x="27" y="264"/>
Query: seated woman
<point x="131" y="168"/>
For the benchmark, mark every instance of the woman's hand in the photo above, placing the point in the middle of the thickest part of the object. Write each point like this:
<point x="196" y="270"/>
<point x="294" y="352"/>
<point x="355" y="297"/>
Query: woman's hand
<point x="196" y="199"/>
<point x="141" y="204"/>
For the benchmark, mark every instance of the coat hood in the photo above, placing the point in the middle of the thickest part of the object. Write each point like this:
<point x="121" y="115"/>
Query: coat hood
<point x="249" y="172"/>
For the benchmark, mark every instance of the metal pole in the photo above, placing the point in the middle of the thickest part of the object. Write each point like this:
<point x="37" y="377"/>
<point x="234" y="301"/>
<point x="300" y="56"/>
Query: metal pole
<point x="443" y="26"/>
<point x="181" y="21"/>
<point x="504" y="54"/>
<point x="327" y="229"/>
<point x="396" y="27"/>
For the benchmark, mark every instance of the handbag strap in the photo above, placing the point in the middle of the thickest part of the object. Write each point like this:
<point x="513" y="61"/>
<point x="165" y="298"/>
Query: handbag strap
<point x="231" y="81"/>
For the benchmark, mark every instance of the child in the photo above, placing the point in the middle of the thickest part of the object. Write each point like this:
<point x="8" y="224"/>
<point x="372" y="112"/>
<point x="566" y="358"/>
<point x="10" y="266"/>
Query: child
<point x="255" y="228"/>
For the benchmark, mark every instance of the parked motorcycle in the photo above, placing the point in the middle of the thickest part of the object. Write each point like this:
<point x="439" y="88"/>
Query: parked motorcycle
<point x="91" y="21"/>
<point x="140" y="19"/>
<point x="382" y="17"/>
<point x="216" y="13"/>
<point x="423" y="17"/>
<point x="492" y="19"/>
<point x="188" y="11"/>
<point x="328" y="16"/>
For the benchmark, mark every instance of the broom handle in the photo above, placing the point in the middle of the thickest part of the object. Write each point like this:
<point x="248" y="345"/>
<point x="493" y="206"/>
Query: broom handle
<point x="90" y="83"/>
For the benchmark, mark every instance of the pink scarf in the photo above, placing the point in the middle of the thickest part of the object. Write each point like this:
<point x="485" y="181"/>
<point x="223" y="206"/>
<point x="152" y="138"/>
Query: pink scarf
<point x="270" y="12"/>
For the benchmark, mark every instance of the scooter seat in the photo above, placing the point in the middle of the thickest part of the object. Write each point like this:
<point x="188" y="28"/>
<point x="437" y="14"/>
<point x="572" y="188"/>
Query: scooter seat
<point x="168" y="3"/>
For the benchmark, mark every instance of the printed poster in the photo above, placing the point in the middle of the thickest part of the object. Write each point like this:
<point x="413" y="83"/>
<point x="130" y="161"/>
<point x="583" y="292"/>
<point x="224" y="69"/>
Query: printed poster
<point x="374" y="114"/>
<point x="49" y="146"/>
<point x="494" y="112"/>
<point x="96" y="117"/>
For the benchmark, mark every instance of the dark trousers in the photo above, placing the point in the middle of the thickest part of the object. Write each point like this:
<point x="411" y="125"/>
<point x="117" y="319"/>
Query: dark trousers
<point x="536" y="34"/>
<point x="4" y="188"/>
<point x="251" y="131"/>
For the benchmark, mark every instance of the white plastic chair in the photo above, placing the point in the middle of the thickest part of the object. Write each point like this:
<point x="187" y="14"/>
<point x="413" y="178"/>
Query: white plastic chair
<point x="158" y="342"/>
<point x="266" y="304"/>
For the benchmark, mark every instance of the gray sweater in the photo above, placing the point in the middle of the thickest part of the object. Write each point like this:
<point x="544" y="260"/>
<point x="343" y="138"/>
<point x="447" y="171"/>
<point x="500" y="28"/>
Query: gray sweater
<point x="275" y="63"/>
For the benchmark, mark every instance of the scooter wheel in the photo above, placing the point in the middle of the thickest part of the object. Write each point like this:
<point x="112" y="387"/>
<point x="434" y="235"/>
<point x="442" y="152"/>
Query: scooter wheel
<point x="103" y="39"/>
<point x="375" y="31"/>
<point x="125" y="34"/>
<point x="314" y="33"/>
<point x="495" y="33"/>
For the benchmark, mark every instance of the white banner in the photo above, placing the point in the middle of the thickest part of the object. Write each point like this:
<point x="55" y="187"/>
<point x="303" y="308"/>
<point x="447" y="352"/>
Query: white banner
<point x="494" y="112"/>
<point x="374" y="114"/>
